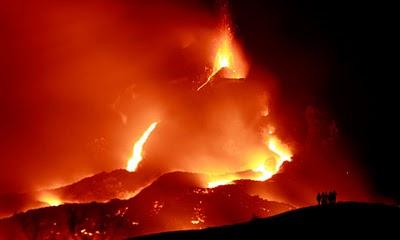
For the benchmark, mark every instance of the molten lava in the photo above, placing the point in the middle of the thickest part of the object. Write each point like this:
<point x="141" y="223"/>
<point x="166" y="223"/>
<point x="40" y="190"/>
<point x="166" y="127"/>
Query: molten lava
<point x="224" y="56"/>
<point x="229" y="63"/>
<point x="221" y="182"/>
<point x="49" y="199"/>
<point x="227" y="56"/>
<point x="270" y="167"/>
<point x="138" y="148"/>
<point x="266" y="164"/>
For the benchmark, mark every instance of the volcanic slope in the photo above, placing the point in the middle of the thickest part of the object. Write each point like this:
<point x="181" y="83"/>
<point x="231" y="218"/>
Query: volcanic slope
<point x="341" y="219"/>
<point x="173" y="202"/>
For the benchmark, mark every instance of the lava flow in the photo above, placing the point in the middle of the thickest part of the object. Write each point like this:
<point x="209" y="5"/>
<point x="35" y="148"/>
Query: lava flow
<point x="229" y="63"/>
<point x="266" y="164"/>
<point x="138" y="148"/>
<point x="282" y="153"/>
<point x="49" y="199"/>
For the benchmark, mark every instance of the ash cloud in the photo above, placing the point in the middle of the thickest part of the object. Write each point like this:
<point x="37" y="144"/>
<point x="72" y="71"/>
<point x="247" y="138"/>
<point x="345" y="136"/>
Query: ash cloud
<point x="64" y="64"/>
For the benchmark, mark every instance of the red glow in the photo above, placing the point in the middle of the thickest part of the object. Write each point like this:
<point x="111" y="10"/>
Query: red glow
<point x="87" y="78"/>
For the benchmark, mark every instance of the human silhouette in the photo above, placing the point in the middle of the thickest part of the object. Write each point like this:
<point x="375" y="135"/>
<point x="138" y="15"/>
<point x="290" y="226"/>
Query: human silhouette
<point x="319" y="198"/>
<point x="334" y="196"/>
<point x="330" y="197"/>
<point x="324" y="198"/>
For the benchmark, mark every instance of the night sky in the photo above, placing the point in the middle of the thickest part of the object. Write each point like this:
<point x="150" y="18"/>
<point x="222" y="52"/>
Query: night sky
<point x="343" y="61"/>
<point x="331" y="54"/>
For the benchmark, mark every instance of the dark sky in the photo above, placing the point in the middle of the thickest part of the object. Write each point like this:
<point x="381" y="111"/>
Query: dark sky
<point x="332" y="54"/>
<point x="337" y="54"/>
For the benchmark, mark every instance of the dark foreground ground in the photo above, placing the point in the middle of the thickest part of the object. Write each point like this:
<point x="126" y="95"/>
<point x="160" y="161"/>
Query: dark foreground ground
<point x="340" y="220"/>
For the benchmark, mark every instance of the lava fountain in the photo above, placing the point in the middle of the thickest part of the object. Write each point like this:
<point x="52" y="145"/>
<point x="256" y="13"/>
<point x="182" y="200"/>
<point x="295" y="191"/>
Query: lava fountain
<point x="228" y="56"/>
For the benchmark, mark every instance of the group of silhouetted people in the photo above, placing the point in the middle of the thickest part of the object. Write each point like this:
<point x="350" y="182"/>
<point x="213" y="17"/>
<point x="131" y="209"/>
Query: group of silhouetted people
<point x="325" y="198"/>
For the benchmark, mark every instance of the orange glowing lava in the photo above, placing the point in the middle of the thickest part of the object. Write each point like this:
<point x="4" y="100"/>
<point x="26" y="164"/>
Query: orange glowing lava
<point x="49" y="199"/>
<point x="265" y="164"/>
<point x="281" y="153"/>
<point x="221" y="182"/>
<point x="224" y="56"/>
<point x="227" y="56"/>
<point x="137" y="154"/>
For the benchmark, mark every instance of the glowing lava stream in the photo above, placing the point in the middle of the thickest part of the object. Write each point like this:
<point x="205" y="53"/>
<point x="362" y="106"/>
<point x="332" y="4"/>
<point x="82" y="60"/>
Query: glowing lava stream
<point x="281" y="154"/>
<point x="134" y="161"/>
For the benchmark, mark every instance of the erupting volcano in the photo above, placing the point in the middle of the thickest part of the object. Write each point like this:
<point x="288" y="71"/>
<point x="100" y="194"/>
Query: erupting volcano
<point x="228" y="56"/>
<point x="222" y="131"/>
